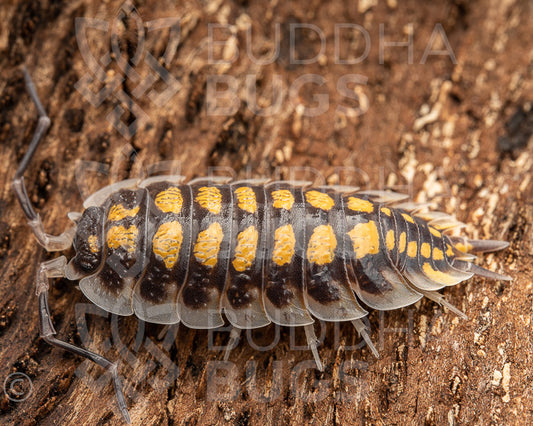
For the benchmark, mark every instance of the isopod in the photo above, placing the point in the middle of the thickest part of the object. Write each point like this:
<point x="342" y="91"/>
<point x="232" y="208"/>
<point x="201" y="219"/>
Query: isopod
<point x="256" y="251"/>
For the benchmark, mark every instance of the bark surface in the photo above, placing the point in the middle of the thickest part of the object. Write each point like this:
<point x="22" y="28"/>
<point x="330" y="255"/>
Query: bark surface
<point x="445" y="116"/>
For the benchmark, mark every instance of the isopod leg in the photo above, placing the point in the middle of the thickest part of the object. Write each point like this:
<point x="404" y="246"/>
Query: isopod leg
<point x="312" y="342"/>
<point x="363" y="332"/>
<point x="53" y="269"/>
<point x="163" y="332"/>
<point x="234" y="337"/>
<point x="50" y="242"/>
<point x="439" y="298"/>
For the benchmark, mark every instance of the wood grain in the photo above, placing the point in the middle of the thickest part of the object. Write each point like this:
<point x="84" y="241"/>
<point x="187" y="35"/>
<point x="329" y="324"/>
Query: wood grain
<point x="455" y="133"/>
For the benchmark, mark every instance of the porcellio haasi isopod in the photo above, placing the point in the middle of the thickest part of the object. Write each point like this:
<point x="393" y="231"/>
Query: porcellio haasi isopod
<point x="256" y="252"/>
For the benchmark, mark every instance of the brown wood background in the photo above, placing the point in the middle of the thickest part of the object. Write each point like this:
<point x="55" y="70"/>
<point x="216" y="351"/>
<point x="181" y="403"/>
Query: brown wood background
<point x="454" y="133"/>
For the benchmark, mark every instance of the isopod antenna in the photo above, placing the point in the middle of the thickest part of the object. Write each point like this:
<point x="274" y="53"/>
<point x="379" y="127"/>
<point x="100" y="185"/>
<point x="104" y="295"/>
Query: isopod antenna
<point x="53" y="268"/>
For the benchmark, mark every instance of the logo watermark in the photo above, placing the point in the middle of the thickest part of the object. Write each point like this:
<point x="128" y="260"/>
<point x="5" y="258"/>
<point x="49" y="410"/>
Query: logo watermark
<point x="18" y="387"/>
<point x="122" y="68"/>
<point x="103" y="82"/>
<point x="227" y="380"/>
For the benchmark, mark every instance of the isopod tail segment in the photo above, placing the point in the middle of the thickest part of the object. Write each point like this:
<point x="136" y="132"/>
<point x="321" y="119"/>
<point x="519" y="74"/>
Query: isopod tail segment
<point x="54" y="268"/>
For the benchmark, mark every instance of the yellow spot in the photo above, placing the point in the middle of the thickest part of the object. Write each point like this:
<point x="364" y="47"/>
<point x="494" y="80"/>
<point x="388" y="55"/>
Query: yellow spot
<point x="118" y="236"/>
<point x="246" y="248"/>
<point x="390" y="239"/>
<point x="210" y="198"/>
<point x="283" y="199"/>
<point x="208" y="244"/>
<point x="284" y="242"/>
<point x="437" y="276"/>
<point x="93" y="243"/>
<point x="449" y="250"/>
<point x="401" y="245"/>
<point x="322" y="245"/>
<point x="167" y="242"/>
<point x="437" y="254"/>
<point x="425" y="250"/>
<point x="118" y="212"/>
<point x="408" y="218"/>
<point x="169" y="200"/>
<point x="319" y="200"/>
<point x="385" y="210"/>
<point x="365" y="239"/>
<point x="462" y="247"/>
<point x="358" y="205"/>
<point x="435" y="232"/>
<point x="411" y="249"/>
<point x="246" y="199"/>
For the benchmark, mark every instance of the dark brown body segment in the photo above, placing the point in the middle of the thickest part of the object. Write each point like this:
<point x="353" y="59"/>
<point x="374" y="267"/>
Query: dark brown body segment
<point x="243" y="301"/>
<point x="328" y="289"/>
<point x="125" y="260"/>
<point x="283" y="284"/>
<point x="90" y="229"/>
<point x="169" y="217"/>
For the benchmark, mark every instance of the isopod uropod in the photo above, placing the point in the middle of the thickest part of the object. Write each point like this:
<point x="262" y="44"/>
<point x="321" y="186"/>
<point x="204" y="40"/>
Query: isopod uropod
<point x="259" y="252"/>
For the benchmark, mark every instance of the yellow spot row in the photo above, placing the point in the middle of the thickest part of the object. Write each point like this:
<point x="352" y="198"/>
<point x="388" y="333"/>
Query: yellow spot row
<point x="425" y="250"/>
<point x="320" y="250"/>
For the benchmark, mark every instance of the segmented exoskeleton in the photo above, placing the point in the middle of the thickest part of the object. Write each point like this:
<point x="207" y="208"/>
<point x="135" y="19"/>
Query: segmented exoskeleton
<point x="255" y="251"/>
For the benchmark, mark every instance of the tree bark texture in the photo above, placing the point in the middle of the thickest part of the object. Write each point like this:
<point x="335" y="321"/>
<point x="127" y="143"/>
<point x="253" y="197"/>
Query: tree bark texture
<point x="430" y="99"/>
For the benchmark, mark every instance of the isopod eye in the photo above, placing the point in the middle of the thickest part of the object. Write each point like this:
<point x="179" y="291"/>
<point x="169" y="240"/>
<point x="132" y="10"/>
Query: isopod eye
<point x="88" y="243"/>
